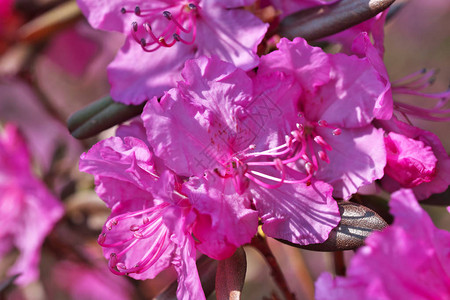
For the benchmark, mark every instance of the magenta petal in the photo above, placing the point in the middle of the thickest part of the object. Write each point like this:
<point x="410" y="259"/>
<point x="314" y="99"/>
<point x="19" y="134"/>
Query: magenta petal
<point x="358" y="158"/>
<point x="189" y="285"/>
<point x="230" y="34"/>
<point x="441" y="180"/>
<point x="297" y="213"/>
<point x="195" y="127"/>
<point x="310" y="65"/>
<point x="226" y="220"/>
<point x="127" y="160"/>
<point x="105" y="14"/>
<point x="349" y="99"/>
<point x="410" y="162"/>
<point x="136" y="76"/>
<point x="362" y="46"/>
<point x="408" y="260"/>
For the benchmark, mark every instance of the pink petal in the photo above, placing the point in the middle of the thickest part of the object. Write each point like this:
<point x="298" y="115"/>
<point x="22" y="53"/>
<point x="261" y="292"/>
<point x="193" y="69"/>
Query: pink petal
<point x="195" y="127"/>
<point x="349" y="98"/>
<point x="226" y="221"/>
<point x="137" y="76"/>
<point x="127" y="160"/>
<point x="410" y="162"/>
<point x="310" y="65"/>
<point x="297" y="213"/>
<point x="358" y="158"/>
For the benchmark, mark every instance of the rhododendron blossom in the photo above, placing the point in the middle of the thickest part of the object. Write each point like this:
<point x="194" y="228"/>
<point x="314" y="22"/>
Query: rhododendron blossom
<point x="330" y="117"/>
<point x="153" y="222"/>
<point x="27" y="209"/>
<point x="408" y="260"/>
<point x="213" y="128"/>
<point x="172" y="31"/>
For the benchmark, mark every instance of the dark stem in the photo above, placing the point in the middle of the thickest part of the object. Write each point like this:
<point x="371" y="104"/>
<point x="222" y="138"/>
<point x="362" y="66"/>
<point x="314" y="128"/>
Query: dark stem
<point x="260" y="243"/>
<point x="339" y="264"/>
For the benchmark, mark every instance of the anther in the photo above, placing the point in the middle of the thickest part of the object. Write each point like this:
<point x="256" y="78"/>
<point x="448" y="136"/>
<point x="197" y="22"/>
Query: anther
<point x="123" y="10"/>
<point x="134" y="227"/>
<point x="176" y="37"/>
<point x="192" y="6"/>
<point x="135" y="26"/>
<point x="322" y="123"/>
<point x="101" y="238"/>
<point x="309" y="168"/>
<point x="337" y="131"/>
<point x="167" y="15"/>
<point x="278" y="164"/>
<point x="252" y="147"/>
<point x="113" y="259"/>
<point x="143" y="42"/>
<point x="137" y="11"/>
<point x="323" y="156"/>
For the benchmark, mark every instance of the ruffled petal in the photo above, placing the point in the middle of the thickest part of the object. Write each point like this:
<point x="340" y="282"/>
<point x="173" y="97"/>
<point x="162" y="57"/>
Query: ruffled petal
<point x="310" y="65"/>
<point x="349" y="99"/>
<point x="230" y="34"/>
<point x="137" y="76"/>
<point x="127" y="160"/>
<point x="297" y="213"/>
<point x="199" y="125"/>
<point x="358" y="158"/>
<point x="226" y="221"/>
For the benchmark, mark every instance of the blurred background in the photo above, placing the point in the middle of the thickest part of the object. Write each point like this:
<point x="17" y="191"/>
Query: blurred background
<point x="52" y="63"/>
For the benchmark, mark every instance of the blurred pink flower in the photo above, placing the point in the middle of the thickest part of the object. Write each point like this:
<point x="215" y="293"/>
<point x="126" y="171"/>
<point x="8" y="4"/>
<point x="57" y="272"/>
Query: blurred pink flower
<point x="82" y="282"/>
<point x="330" y="116"/>
<point x="43" y="133"/>
<point x="408" y="260"/>
<point x="212" y="27"/>
<point x="213" y="129"/>
<point x="27" y="209"/>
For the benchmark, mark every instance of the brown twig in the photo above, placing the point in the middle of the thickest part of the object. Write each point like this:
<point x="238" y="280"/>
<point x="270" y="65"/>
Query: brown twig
<point x="260" y="243"/>
<point x="339" y="264"/>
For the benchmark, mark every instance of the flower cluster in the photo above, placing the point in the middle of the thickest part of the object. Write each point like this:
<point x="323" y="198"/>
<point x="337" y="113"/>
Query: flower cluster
<point x="222" y="147"/>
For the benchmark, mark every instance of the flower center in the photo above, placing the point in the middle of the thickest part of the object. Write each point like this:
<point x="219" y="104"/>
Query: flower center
<point x="123" y="233"/>
<point x="177" y="25"/>
<point x="262" y="167"/>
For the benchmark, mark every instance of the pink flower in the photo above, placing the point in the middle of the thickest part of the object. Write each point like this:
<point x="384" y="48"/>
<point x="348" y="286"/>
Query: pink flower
<point x="408" y="260"/>
<point x="213" y="129"/>
<point x="416" y="160"/>
<point x="330" y="116"/>
<point x="150" y="224"/>
<point x="84" y="282"/>
<point x="212" y="27"/>
<point x="27" y="209"/>
<point x="153" y="222"/>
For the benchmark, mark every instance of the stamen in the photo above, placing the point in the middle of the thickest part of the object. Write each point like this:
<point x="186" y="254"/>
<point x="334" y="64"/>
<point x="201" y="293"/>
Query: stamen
<point x="137" y="11"/>
<point x="337" y="131"/>
<point x="174" y="28"/>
